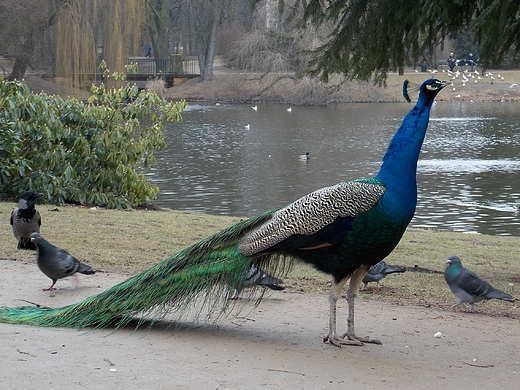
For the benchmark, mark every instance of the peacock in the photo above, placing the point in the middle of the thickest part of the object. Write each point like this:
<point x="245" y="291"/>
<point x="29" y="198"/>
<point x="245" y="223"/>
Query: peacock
<point x="341" y="230"/>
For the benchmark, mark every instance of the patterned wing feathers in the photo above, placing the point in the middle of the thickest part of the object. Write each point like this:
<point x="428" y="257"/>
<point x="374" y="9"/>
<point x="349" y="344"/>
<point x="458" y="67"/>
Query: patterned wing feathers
<point x="312" y="213"/>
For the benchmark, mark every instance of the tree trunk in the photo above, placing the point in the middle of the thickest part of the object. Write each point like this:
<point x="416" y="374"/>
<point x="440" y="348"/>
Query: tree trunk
<point x="206" y="36"/>
<point x="207" y="74"/>
<point x="19" y="68"/>
<point x="36" y="23"/>
<point x="158" y="26"/>
<point x="21" y="61"/>
<point x="272" y="22"/>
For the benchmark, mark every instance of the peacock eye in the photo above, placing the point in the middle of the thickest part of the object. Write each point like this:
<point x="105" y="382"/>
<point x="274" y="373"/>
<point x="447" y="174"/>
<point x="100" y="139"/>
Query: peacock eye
<point x="432" y="87"/>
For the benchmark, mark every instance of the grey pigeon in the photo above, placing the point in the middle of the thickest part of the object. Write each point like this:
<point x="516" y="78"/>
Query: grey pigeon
<point x="379" y="271"/>
<point x="25" y="219"/>
<point x="468" y="286"/>
<point x="57" y="263"/>
<point x="255" y="276"/>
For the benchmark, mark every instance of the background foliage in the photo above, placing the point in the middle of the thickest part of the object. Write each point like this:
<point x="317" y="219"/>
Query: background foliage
<point x="89" y="153"/>
<point x="359" y="39"/>
<point x="374" y="37"/>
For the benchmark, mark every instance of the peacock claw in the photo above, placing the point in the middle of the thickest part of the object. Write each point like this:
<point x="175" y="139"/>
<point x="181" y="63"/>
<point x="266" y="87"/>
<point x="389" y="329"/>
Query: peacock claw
<point x="339" y="341"/>
<point x="361" y="339"/>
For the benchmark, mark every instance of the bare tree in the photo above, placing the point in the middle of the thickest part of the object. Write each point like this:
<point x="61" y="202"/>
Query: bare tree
<point x="23" y="25"/>
<point x="83" y="31"/>
<point x="158" y="22"/>
<point x="204" y="17"/>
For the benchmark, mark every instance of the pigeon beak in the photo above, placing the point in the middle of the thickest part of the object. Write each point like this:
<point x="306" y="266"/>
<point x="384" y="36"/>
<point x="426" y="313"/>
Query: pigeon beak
<point x="38" y="195"/>
<point x="448" y="261"/>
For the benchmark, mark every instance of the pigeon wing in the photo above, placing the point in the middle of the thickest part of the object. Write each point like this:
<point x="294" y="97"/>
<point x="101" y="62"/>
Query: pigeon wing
<point x="473" y="284"/>
<point x="375" y="272"/>
<point x="67" y="264"/>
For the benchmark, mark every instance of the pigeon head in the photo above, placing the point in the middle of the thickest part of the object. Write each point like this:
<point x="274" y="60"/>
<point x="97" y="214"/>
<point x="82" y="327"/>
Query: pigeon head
<point x="28" y="198"/>
<point x="453" y="260"/>
<point x="453" y="267"/>
<point x="36" y="237"/>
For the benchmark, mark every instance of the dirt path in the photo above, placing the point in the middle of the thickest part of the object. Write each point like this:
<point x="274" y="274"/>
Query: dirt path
<point x="277" y="345"/>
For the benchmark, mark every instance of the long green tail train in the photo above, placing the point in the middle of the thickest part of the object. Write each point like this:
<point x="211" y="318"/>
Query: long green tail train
<point x="210" y="270"/>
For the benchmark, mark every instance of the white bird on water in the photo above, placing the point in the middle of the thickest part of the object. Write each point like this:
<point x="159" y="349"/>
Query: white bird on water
<point x="247" y="126"/>
<point x="304" y="157"/>
<point x="289" y="109"/>
<point x="255" y="108"/>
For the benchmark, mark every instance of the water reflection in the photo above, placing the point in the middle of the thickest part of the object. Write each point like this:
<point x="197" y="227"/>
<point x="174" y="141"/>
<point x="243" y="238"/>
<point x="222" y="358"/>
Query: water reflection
<point x="467" y="173"/>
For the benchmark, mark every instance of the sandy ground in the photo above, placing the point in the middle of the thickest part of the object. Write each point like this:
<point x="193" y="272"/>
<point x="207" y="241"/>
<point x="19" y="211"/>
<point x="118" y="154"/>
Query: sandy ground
<point x="273" y="346"/>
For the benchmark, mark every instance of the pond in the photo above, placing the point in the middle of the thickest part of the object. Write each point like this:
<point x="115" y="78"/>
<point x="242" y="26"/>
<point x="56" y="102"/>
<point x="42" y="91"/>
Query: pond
<point x="235" y="160"/>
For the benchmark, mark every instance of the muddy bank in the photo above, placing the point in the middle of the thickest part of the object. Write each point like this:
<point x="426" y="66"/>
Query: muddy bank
<point x="286" y="88"/>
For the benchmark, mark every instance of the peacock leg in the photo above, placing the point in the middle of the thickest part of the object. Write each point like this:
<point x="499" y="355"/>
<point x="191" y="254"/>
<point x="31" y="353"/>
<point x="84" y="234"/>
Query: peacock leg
<point x="332" y="337"/>
<point x="352" y="292"/>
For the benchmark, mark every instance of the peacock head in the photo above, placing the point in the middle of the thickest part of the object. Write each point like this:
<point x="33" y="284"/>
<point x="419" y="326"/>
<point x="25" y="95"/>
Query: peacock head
<point x="431" y="87"/>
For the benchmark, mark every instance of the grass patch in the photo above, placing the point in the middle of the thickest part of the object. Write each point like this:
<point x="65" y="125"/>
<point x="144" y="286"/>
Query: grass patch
<point x="130" y="241"/>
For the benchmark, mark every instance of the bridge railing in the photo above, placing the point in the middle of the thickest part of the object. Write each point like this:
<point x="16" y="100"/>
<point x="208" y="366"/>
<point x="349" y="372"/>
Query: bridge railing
<point x="174" y="65"/>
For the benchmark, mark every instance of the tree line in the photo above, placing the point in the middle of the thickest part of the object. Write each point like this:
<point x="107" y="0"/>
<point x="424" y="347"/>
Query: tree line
<point x="362" y="39"/>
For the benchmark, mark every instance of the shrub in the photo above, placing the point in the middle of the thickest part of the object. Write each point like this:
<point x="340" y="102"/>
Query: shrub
<point x="88" y="153"/>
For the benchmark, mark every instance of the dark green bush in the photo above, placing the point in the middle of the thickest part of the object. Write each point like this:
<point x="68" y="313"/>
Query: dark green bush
<point x="90" y="153"/>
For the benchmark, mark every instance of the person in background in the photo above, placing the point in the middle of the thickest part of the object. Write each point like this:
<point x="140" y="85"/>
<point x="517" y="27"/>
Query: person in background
<point x="451" y="61"/>
<point x="148" y="51"/>
<point x="471" y="61"/>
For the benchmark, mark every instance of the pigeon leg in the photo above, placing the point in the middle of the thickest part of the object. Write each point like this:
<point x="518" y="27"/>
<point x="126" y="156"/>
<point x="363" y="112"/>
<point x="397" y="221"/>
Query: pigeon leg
<point x="455" y="305"/>
<point x="51" y="287"/>
<point x="352" y="293"/>
<point x="332" y="337"/>
<point x="459" y="302"/>
<point x="378" y="286"/>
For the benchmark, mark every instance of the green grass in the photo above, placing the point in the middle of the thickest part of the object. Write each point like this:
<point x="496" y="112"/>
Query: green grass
<point x="131" y="241"/>
<point x="485" y="89"/>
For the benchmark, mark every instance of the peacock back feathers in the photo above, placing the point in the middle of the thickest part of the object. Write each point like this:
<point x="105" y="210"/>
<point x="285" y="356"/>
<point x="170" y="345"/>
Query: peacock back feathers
<point x="209" y="271"/>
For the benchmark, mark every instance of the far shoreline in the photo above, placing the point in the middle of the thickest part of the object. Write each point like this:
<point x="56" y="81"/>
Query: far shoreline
<point x="286" y="88"/>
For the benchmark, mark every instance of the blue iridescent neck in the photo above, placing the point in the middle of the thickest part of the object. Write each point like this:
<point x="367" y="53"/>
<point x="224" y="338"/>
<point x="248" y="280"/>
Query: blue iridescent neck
<point x="399" y="167"/>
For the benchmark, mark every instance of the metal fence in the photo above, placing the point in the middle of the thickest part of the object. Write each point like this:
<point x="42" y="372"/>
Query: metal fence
<point x="175" y="65"/>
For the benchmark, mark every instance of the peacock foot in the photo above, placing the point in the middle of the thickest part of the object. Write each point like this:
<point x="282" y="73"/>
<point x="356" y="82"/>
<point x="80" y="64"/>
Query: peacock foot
<point x="339" y="341"/>
<point x="362" y="340"/>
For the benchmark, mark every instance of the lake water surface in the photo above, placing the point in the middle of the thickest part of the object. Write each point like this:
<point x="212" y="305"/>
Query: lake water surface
<point x="468" y="173"/>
